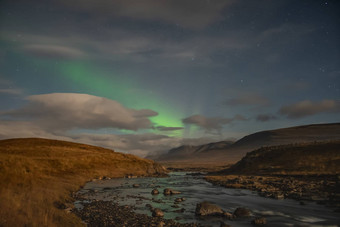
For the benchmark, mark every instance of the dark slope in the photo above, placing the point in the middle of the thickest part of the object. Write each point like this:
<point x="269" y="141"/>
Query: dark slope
<point x="305" y="158"/>
<point x="224" y="152"/>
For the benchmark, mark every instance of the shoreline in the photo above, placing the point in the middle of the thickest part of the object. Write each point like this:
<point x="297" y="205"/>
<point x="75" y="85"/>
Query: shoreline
<point x="110" y="213"/>
<point x="98" y="212"/>
<point x="323" y="190"/>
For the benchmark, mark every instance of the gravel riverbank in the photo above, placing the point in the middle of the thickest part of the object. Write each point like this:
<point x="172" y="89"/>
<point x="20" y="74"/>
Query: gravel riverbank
<point x="321" y="189"/>
<point x="108" y="213"/>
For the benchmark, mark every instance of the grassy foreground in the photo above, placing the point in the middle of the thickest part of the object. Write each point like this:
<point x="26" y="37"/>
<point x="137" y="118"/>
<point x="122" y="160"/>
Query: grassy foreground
<point x="37" y="177"/>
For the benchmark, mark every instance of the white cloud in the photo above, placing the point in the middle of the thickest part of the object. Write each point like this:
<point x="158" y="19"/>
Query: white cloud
<point x="308" y="108"/>
<point x="53" y="51"/>
<point x="248" y="99"/>
<point x="211" y="123"/>
<point x="194" y="14"/>
<point x="11" y="91"/>
<point x="65" y="111"/>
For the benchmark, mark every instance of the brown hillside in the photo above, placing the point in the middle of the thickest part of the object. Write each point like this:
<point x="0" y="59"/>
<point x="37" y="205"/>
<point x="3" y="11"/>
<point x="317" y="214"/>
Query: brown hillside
<point x="306" y="158"/>
<point x="38" y="175"/>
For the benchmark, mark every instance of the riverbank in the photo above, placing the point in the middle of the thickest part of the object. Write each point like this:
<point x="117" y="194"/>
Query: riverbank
<point x="108" y="213"/>
<point x="324" y="189"/>
<point x="136" y="196"/>
<point x="37" y="177"/>
<point x="194" y="167"/>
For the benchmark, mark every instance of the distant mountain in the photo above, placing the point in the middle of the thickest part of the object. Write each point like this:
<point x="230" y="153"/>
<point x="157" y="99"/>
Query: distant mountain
<point x="228" y="152"/>
<point x="304" y="158"/>
<point x="187" y="151"/>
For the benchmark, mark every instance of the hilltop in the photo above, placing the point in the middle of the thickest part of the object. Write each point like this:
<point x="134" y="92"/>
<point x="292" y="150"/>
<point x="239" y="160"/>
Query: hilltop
<point x="225" y="152"/>
<point x="314" y="158"/>
<point x="38" y="176"/>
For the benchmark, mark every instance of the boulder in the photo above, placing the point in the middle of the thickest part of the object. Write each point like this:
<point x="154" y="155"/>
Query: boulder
<point x="228" y="215"/>
<point x="136" y="185"/>
<point x="169" y="191"/>
<point x="259" y="221"/>
<point x="161" y="224"/>
<point x="155" y="192"/>
<point x="173" y="192"/>
<point x="205" y="208"/>
<point x="279" y="196"/>
<point x="178" y="200"/>
<point x="157" y="213"/>
<point x="242" y="212"/>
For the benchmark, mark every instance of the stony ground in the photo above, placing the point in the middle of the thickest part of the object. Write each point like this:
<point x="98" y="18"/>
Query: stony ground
<point x="322" y="189"/>
<point x="108" y="213"/>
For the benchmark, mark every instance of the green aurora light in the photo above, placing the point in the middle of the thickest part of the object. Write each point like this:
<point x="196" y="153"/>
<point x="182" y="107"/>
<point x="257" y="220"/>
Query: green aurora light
<point x="123" y="90"/>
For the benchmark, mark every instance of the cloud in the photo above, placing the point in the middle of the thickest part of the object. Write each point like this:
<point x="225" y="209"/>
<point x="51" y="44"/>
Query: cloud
<point x="22" y="129"/>
<point x="212" y="123"/>
<point x="11" y="91"/>
<point x="53" y="51"/>
<point x="193" y="14"/>
<point x="265" y="117"/>
<point x="308" y="108"/>
<point x="285" y="32"/>
<point x="137" y="144"/>
<point x="163" y="128"/>
<point x="66" y="111"/>
<point x="248" y="99"/>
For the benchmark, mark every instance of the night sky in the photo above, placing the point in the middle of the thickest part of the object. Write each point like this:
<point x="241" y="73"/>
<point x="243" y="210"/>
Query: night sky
<point x="144" y="76"/>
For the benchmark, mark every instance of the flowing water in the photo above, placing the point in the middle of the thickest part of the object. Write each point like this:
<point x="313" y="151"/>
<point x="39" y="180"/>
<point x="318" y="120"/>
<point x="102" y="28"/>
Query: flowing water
<point x="195" y="189"/>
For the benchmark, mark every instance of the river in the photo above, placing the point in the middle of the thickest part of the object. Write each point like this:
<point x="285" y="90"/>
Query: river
<point x="195" y="190"/>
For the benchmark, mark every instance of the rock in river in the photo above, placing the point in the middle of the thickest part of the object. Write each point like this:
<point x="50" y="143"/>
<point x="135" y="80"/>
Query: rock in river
<point x="157" y="213"/>
<point x="155" y="192"/>
<point x="259" y="221"/>
<point x="242" y="212"/>
<point x="169" y="191"/>
<point x="206" y="208"/>
<point x="178" y="200"/>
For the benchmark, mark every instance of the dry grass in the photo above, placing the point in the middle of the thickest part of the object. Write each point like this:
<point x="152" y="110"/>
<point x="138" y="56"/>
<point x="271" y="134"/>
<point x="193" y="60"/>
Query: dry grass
<point x="193" y="166"/>
<point x="37" y="177"/>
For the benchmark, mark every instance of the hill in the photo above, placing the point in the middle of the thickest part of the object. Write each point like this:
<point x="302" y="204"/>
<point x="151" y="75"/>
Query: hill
<point x="37" y="177"/>
<point x="227" y="153"/>
<point x="303" y="159"/>
<point x="186" y="151"/>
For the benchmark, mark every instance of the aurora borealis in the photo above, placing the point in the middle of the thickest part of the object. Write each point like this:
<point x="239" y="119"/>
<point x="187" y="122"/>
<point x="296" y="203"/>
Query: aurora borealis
<point x="176" y="72"/>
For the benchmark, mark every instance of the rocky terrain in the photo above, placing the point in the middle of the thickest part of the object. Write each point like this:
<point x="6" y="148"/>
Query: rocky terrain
<point x="306" y="172"/>
<point x="321" y="189"/>
<point x="108" y="213"/>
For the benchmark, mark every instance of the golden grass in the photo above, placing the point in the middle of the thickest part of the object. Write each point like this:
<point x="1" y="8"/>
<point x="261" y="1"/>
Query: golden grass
<point x="193" y="166"/>
<point x="37" y="177"/>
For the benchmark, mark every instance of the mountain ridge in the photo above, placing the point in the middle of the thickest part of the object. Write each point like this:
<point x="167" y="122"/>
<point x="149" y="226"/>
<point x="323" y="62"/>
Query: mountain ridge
<point x="230" y="153"/>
